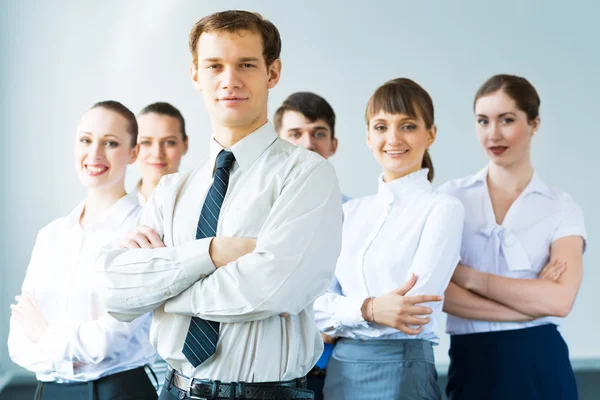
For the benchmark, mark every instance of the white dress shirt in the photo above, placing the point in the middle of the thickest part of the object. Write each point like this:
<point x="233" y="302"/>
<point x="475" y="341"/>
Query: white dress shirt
<point x="285" y="196"/>
<point x="82" y="342"/>
<point x="520" y="247"/>
<point x="405" y="228"/>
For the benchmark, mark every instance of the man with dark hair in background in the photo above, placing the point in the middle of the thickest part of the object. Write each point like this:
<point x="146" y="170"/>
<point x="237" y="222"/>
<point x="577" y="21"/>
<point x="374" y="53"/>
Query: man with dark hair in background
<point x="308" y="120"/>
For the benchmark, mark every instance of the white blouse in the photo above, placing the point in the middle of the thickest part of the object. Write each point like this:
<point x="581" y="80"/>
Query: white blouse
<point x="404" y="228"/>
<point x="520" y="247"/>
<point x="82" y="342"/>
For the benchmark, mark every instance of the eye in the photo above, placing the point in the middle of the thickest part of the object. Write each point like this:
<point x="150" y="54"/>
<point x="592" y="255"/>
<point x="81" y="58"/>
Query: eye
<point x="507" y="121"/>
<point x="145" y="143"/>
<point x="171" y="143"/>
<point x="482" y="122"/>
<point x="320" y="135"/>
<point x="408" y="127"/>
<point x="247" y="65"/>
<point x="212" y="66"/>
<point x="380" y="128"/>
<point x="111" y="144"/>
<point x="295" y="135"/>
<point x="85" y="140"/>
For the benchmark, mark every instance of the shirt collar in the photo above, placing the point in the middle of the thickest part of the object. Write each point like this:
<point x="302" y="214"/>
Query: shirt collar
<point x="398" y="189"/>
<point x="247" y="150"/>
<point x="536" y="185"/>
<point x="110" y="218"/>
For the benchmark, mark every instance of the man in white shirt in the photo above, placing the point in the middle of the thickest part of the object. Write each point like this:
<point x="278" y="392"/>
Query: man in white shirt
<point x="308" y="120"/>
<point x="217" y="296"/>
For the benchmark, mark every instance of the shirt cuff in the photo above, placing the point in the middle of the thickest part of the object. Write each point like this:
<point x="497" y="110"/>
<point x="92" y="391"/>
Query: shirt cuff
<point x="55" y="342"/>
<point x="181" y="304"/>
<point x="194" y="259"/>
<point x="348" y="312"/>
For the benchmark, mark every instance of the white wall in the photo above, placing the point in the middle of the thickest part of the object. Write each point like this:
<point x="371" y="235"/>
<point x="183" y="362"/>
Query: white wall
<point x="59" y="57"/>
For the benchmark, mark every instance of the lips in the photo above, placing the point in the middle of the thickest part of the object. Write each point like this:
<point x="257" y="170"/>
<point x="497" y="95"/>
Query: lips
<point x="498" y="150"/>
<point x="157" y="165"/>
<point x="396" y="153"/>
<point x="95" y="169"/>
<point x="232" y="100"/>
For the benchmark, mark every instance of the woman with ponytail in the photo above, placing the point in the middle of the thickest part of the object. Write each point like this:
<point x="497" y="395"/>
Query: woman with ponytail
<point x="399" y="250"/>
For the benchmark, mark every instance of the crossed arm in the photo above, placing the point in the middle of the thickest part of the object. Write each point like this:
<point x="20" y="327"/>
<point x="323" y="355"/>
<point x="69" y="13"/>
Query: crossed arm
<point x="477" y="295"/>
<point x="283" y="273"/>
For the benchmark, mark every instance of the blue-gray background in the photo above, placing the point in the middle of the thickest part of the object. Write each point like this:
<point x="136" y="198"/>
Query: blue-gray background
<point x="59" y="57"/>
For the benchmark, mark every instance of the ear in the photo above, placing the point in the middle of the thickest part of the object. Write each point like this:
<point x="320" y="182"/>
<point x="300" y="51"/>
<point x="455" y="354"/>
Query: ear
<point x="368" y="138"/>
<point x="133" y="154"/>
<point x="431" y="135"/>
<point x="186" y="144"/>
<point x="194" y="76"/>
<point x="274" y="73"/>
<point x="333" y="148"/>
<point x="535" y="125"/>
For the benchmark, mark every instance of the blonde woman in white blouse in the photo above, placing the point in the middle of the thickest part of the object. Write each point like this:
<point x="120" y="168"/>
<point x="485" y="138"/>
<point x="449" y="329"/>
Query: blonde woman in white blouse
<point x="521" y="261"/>
<point x="399" y="250"/>
<point x="59" y="327"/>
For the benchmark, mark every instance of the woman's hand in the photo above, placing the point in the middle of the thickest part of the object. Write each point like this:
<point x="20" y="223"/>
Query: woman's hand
<point x="143" y="238"/>
<point x="553" y="270"/>
<point x="328" y="339"/>
<point x="399" y="311"/>
<point x="27" y="314"/>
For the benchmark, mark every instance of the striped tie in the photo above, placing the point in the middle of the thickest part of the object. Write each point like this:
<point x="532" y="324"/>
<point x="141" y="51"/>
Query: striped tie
<point x="201" y="340"/>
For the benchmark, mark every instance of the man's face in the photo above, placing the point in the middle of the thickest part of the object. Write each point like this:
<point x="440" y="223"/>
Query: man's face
<point x="233" y="77"/>
<point x="314" y="136"/>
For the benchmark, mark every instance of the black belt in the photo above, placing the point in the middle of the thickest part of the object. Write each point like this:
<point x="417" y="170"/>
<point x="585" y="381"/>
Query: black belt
<point x="201" y="389"/>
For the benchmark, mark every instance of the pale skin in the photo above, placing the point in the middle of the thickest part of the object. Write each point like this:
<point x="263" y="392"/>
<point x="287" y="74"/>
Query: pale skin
<point x="398" y="143"/>
<point x="161" y="147"/>
<point x="234" y="79"/>
<point x="102" y="153"/>
<point x="312" y="135"/>
<point x="505" y="132"/>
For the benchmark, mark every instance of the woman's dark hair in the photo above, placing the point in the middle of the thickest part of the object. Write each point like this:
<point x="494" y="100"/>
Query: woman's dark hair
<point x="132" y="126"/>
<point x="404" y="96"/>
<point x="162" y="108"/>
<point x="517" y="88"/>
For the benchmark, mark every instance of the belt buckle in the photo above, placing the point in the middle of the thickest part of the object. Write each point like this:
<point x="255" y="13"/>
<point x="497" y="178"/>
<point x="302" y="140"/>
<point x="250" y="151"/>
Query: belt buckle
<point x="189" y="392"/>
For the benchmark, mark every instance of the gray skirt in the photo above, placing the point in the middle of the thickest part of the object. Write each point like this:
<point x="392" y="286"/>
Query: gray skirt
<point x="382" y="369"/>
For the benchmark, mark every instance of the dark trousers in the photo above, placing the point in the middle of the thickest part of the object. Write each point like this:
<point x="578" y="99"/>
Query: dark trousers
<point x="127" y="385"/>
<point x="315" y="381"/>
<point x="522" y="364"/>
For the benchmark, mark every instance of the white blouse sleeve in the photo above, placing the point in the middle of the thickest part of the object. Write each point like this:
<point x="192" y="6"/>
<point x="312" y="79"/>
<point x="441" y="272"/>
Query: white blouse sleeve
<point x="337" y="315"/>
<point x="571" y="221"/>
<point x="439" y="248"/>
<point x="23" y="351"/>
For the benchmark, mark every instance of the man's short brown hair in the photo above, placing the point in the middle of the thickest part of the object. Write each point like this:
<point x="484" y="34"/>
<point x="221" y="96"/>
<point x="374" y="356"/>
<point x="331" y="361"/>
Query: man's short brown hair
<point x="235" y="21"/>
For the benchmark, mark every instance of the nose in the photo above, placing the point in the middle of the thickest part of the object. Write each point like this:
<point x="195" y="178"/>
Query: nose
<point x="307" y="142"/>
<point x="230" y="79"/>
<point x="395" y="136"/>
<point x="494" y="132"/>
<point x="157" y="150"/>
<point x="96" y="151"/>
